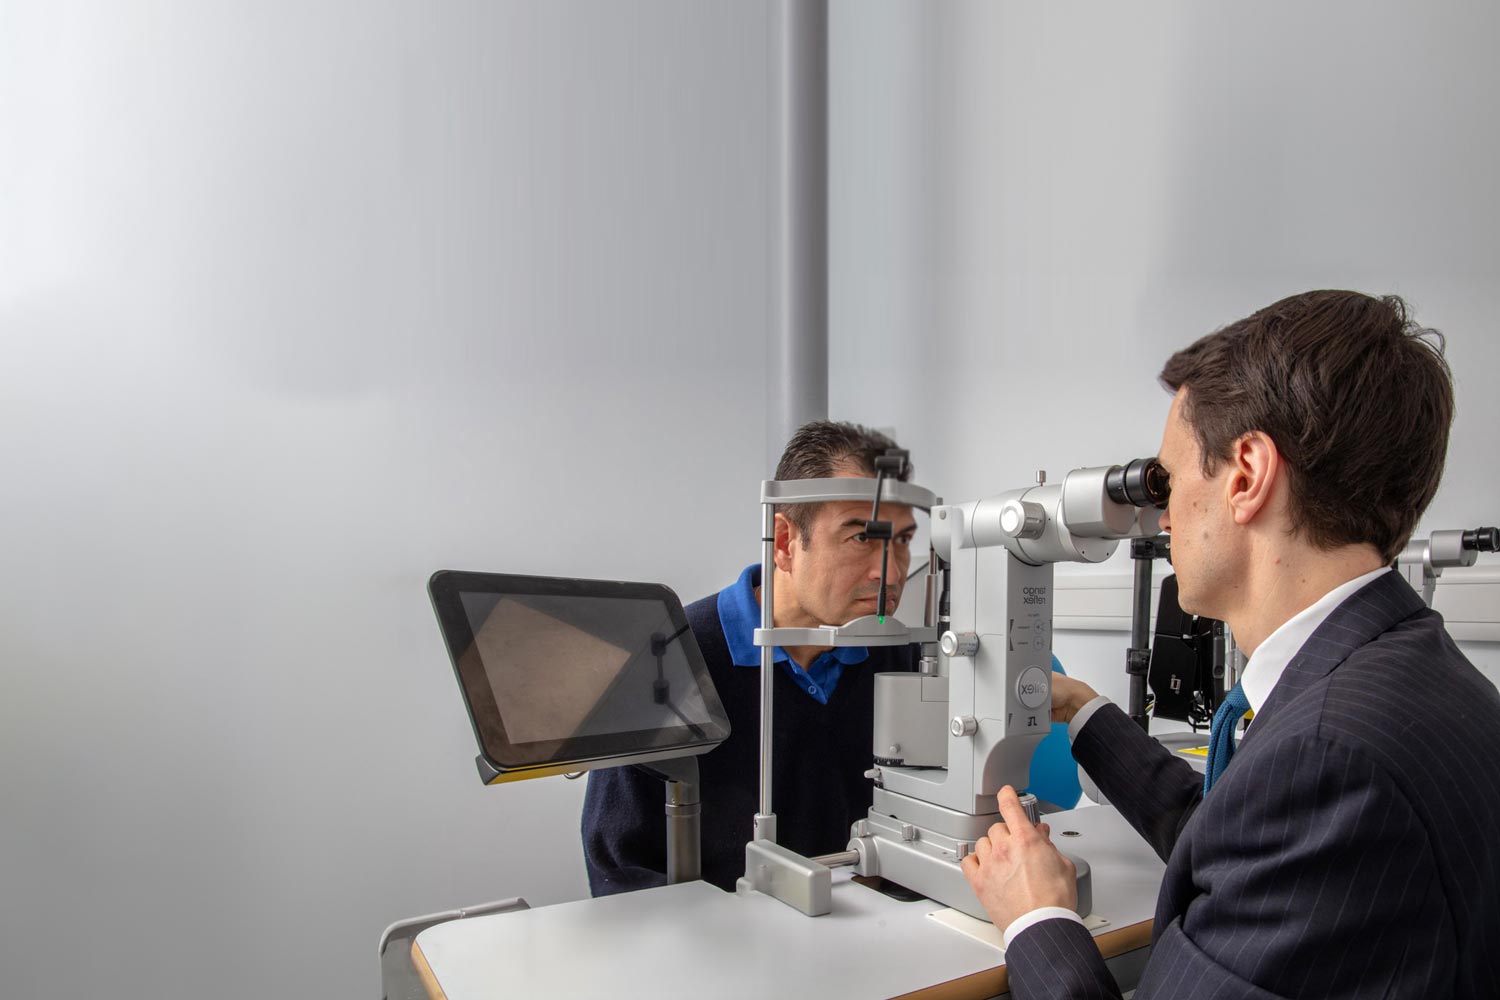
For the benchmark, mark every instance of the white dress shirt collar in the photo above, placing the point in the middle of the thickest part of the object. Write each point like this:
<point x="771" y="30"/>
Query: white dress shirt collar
<point x="1270" y="660"/>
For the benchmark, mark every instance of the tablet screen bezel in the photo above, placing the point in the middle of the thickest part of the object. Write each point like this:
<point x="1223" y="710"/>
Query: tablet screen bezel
<point x="447" y="587"/>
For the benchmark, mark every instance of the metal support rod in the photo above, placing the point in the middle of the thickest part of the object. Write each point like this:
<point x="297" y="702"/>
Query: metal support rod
<point x="1231" y="658"/>
<point x="684" y="816"/>
<point x="765" y="819"/>
<point x="839" y="859"/>
<point x="1138" y="658"/>
<point x="1218" y="661"/>
<point x="930" y="595"/>
<point x="797" y="372"/>
<point x="684" y="833"/>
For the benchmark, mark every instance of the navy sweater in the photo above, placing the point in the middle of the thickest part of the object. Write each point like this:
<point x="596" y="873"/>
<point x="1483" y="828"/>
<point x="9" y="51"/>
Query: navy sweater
<point x="818" y="785"/>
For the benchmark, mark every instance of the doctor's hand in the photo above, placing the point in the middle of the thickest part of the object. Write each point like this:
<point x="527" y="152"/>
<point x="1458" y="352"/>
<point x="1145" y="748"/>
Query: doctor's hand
<point x="1016" y="869"/>
<point x="1068" y="696"/>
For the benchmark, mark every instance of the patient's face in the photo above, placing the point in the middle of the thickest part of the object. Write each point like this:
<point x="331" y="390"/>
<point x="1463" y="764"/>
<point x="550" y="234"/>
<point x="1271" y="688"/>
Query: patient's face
<point x="835" y="570"/>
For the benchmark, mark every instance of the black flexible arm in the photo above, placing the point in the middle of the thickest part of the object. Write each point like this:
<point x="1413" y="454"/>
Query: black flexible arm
<point x="894" y="460"/>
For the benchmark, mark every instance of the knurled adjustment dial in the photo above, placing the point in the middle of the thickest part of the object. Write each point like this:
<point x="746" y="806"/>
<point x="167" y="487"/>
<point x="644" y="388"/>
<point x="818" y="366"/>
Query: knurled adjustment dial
<point x="1023" y="519"/>
<point x="959" y="643"/>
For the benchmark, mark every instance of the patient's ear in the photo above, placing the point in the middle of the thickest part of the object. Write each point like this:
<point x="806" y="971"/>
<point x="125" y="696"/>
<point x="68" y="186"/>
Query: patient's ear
<point x="1255" y="475"/>
<point x="787" y="543"/>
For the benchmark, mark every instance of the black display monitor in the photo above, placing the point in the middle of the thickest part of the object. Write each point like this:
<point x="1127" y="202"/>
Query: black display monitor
<point x="564" y="675"/>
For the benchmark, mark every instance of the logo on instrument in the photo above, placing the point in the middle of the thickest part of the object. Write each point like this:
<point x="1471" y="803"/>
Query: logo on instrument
<point x="1033" y="688"/>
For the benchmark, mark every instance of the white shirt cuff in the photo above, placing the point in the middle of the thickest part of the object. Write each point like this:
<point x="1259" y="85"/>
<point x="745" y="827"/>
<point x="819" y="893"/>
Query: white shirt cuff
<point x="1036" y="916"/>
<point x="1084" y="715"/>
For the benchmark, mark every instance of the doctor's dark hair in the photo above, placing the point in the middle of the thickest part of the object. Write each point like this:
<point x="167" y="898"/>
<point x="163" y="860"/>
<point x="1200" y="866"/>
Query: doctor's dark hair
<point x="816" y="450"/>
<point x="1356" y="395"/>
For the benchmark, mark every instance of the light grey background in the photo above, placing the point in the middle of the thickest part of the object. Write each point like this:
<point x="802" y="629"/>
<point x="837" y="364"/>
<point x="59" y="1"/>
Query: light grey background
<point x="301" y="302"/>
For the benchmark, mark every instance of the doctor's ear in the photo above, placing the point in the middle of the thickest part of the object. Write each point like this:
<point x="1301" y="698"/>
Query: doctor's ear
<point x="1255" y="473"/>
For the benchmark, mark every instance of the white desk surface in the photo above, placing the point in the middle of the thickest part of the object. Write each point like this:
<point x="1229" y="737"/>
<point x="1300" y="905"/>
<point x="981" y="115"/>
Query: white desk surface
<point x="694" y="940"/>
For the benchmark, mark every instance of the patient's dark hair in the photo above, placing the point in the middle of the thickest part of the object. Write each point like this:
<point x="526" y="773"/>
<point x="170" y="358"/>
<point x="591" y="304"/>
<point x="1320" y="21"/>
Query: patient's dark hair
<point x="1356" y="395"/>
<point x="815" y="452"/>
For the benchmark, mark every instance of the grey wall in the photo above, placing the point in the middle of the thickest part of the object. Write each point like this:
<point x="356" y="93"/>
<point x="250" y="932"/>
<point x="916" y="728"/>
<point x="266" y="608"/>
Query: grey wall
<point x="299" y="303"/>
<point x="1034" y="204"/>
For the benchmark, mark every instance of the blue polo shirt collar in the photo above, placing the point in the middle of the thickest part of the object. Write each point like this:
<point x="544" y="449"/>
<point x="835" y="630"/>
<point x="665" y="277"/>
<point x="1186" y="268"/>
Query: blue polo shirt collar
<point x="739" y="614"/>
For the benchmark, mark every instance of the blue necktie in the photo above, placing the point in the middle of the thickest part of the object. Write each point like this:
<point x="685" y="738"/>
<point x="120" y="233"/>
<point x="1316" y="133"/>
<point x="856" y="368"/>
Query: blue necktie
<point x="1221" y="735"/>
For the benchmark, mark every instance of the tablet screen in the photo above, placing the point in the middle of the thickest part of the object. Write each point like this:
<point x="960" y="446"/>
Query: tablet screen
<point x="557" y="670"/>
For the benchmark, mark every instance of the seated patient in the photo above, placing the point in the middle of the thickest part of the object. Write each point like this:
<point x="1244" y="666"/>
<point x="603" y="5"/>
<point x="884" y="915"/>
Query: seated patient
<point x="827" y="572"/>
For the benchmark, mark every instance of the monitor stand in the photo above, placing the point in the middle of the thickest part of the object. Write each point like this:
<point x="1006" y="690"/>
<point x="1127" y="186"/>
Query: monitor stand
<point x="684" y="817"/>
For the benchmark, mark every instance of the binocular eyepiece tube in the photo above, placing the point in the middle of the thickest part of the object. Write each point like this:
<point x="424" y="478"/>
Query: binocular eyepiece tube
<point x="1482" y="539"/>
<point x="1141" y="482"/>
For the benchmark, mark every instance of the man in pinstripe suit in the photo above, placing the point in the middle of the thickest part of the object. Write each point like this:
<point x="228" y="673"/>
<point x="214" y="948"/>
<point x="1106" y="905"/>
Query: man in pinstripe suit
<point x="1350" y="846"/>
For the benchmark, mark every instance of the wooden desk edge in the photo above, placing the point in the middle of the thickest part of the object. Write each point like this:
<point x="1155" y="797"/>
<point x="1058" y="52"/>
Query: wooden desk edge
<point x="424" y="973"/>
<point x="988" y="983"/>
<point x="993" y="982"/>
